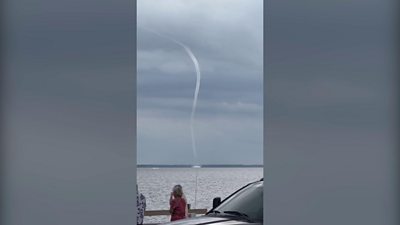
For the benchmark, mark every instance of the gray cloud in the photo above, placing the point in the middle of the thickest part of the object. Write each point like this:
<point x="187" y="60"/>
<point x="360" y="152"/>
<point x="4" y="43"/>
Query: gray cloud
<point x="226" y="37"/>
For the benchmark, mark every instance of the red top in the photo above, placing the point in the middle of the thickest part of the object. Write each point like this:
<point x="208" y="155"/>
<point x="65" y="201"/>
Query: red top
<point x="178" y="207"/>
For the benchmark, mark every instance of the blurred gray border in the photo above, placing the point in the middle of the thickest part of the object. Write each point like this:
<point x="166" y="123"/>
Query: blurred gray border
<point x="68" y="96"/>
<point x="265" y="48"/>
<point x="135" y="100"/>
<point x="318" y="206"/>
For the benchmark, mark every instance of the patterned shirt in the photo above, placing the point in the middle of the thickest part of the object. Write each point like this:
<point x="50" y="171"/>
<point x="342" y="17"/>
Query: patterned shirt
<point x="141" y="207"/>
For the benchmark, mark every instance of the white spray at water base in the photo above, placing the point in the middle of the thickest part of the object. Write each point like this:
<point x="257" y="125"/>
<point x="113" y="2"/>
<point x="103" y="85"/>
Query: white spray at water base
<point x="196" y="94"/>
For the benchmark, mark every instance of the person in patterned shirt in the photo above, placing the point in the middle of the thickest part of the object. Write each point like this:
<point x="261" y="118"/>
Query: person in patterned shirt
<point x="141" y="206"/>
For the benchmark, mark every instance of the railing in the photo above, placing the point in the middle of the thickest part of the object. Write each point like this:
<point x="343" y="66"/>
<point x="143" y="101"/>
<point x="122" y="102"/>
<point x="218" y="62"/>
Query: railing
<point x="167" y="213"/>
<point x="191" y="212"/>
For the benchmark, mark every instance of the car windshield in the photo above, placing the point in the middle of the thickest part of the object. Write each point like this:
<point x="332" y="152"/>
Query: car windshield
<point x="248" y="202"/>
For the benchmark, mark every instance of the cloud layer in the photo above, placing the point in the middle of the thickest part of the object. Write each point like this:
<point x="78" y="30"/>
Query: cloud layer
<point x="226" y="37"/>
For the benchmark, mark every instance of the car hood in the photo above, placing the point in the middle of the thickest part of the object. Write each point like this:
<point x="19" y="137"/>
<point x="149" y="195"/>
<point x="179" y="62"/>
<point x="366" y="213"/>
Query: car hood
<point x="208" y="220"/>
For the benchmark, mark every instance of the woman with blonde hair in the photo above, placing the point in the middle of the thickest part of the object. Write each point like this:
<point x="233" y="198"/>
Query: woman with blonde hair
<point x="178" y="204"/>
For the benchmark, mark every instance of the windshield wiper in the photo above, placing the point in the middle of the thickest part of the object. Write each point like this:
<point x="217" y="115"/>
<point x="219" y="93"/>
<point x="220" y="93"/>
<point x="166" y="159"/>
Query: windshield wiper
<point x="214" y="211"/>
<point x="239" y="214"/>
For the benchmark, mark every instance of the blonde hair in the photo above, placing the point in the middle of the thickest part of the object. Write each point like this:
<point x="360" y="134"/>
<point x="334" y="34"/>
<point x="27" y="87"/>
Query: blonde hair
<point x="177" y="190"/>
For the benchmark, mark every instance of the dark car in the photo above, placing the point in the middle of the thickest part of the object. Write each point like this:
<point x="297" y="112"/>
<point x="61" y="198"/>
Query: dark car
<point x="245" y="206"/>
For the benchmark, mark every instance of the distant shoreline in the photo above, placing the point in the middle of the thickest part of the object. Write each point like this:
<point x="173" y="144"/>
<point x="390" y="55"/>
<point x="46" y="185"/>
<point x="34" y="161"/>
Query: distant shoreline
<point x="202" y="166"/>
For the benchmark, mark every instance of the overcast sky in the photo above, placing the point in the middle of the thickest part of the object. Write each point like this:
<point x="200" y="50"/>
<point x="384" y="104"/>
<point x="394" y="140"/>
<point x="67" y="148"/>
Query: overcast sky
<point x="226" y="37"/>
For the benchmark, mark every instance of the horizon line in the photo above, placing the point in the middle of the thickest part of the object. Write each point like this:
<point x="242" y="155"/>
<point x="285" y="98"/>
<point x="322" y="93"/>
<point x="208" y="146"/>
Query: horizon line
<point x="202" y="165"/>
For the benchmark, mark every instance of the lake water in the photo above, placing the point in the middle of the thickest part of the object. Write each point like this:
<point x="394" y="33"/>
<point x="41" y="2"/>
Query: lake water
<point x="156" y="185"/>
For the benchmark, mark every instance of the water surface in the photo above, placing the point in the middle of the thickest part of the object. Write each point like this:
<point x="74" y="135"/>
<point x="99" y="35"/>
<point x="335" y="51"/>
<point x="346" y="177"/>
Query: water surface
<point x="156" y="185"/>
